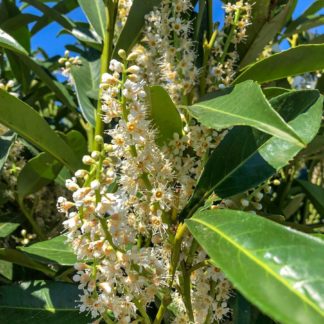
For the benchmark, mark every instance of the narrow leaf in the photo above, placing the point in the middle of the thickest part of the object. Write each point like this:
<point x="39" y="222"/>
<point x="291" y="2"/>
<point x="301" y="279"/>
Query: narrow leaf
<point x="298" y="60"/>
<point x="164" y="114"/>
<point x="6" y="142"/>
<point x="315" y="194"/>
<point x="245" y="105"/>
<point x="96" y="14"/>
<point x="8" y="42"/>
<point x="21" y="118"/>
<point x="278" y="269"/>
<point x="86" y="80"/>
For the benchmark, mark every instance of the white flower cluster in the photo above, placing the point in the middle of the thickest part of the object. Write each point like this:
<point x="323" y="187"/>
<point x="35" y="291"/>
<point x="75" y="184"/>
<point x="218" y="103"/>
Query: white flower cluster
<point x="122" y="14"/>
<point x="167" y="37"/>
<point x="68" y="61"/>
<point x="8" y="87"/>
<point x="222" y="63"/>
<point x="121" y="218"/>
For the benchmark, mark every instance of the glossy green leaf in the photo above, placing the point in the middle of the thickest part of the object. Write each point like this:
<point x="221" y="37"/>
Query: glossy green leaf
<point x="86" y="79"/>
<point x="63" y="7"/>
<point x="306" y="17"/>
<point x="8" y="42"/>
<point x="298" y="60"/>
<point x="164" y="114"/>
<point x="21" y="118"/>
<point x="134" y="24"/>
<point x="272" y="92"/>
<point x="55" y="251"/>
<point x="247" y="157"/>
<point x="22" y="259"/>
<point x="315" y="194"/>
<point x="244" y="105"/>
<point x="52" y="13"/>
<point x="95" y="12"/>
<point x="37" y="173"/>
<point x="6" y="269"/>
<point x="7" y="228"/>
<point x="6" y="142"/>
<point x="40" y="302"/>
<point x="278" y="269"/>
<point x="304" y="25"/>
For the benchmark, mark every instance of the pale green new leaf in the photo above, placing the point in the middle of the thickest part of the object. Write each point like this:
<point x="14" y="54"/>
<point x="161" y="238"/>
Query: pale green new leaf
<point x="244" y="105"/>
<point x="278" y="269"/>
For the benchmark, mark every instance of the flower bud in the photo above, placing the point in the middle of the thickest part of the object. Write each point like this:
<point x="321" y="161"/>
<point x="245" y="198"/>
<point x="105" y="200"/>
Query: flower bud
<point x="122" y="54"/>
<point x="88" y="160"/>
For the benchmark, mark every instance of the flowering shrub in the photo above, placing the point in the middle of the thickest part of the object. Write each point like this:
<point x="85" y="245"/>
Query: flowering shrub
<point x="177" y="152"/>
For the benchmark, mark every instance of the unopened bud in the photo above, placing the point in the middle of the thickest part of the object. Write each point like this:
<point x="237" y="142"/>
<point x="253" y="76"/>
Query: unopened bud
<point x="122" y="54"/>
<point x="276" y="182"/>
<point x="88" y="160"/>
<point x="99" y="139"/>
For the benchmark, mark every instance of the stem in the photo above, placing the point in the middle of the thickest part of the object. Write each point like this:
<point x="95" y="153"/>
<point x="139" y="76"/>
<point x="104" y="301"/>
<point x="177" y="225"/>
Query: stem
<point x="33" y="223"/>
<point x="182" y="229"/>
<point x="111" y="10"/>
<point x="230" y="36"/>
<point x="160" y="314"/>
<point x="207" y="50"/>
<point x="210" y="17"/>
<point x="186" y="292"/>
<point x="142" y="310"/>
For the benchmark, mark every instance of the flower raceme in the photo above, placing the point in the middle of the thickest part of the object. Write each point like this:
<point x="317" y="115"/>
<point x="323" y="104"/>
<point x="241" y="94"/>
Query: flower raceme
<point x="122" y="219"/>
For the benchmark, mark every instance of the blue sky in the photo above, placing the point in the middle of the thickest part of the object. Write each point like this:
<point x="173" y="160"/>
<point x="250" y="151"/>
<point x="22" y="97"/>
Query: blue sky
<point x="47" y="38"/>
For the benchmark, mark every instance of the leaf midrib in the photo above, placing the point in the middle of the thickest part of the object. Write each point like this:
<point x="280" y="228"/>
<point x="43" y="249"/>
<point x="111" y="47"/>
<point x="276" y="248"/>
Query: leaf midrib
<point x="261" y="264"/>
<point x="266" y="126"/>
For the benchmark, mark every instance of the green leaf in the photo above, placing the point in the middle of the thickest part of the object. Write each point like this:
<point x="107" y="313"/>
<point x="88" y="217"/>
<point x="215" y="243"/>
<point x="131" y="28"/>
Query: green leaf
<point x="22" y="259"/>
<point x="95" y="12"/>
<point x="267" y="26"/>
<point x="134" y="24"/>
<point x="52" y="13"/>
<point x="164" y="114"/>
<point x="40" y="302"/>
<point x="54" y="251"/>
<point x="6" y="142"/>
<point x="86" y="79"/>
<point x="7" y="228"/>
<point x="245" y="105"/>
<point x="315" y="194"/>
<point x="247" y="157"/>
<point x="62" y="7"/>
<point x="6" y="269"/>
<point x="298" y="60"/>
<point x="8" y="42"/>
<point x="278" y="269"/>
<point x="21" y="118"/>
<point x="37" y="173"/>
<point x="272" y="92"/>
